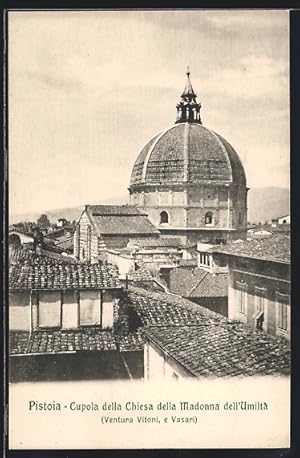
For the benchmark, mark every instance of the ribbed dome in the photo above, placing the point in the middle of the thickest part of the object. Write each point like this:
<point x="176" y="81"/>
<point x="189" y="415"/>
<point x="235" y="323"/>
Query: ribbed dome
<point x="187" y="153"/>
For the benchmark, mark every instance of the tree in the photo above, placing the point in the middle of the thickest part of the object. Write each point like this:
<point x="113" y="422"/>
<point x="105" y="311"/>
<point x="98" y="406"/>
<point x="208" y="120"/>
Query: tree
<point x="43" y="221"/>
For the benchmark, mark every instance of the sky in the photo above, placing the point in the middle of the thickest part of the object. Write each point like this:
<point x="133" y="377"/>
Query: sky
<point x="87" y="90"/>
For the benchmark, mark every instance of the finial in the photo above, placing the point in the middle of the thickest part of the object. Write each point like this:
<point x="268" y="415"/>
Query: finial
<point x="188" y="71"/>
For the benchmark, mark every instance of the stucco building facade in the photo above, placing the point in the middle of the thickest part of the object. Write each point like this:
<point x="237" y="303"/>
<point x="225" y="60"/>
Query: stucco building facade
<point x="259" y="283"/>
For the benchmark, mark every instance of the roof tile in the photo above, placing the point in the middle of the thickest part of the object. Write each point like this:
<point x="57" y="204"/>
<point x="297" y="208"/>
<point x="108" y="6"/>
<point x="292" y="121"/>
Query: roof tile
<point x="223" y="349"/>
<point x="273" y="248"/>
<point x="61" y="341"/>
<point x="28" y="270"/>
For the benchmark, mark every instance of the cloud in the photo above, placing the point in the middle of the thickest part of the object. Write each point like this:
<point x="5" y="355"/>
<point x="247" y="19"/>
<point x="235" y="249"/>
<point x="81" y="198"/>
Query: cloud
<point x="256" y="77"/>
<point x="55" y="81"/>
<point x="88" y="90"/>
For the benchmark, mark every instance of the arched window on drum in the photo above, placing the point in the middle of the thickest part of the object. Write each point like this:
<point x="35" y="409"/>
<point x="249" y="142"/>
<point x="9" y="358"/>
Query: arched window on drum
<point x="164" y="218"/>
<point x="209" y="218"/>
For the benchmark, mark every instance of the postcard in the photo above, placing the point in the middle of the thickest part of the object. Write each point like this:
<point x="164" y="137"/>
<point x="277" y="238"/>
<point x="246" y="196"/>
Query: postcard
<point x="149" y="229"/>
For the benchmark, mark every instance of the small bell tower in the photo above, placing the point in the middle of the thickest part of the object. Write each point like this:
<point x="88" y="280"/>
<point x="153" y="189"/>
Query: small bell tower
<point x="188" y="109"/>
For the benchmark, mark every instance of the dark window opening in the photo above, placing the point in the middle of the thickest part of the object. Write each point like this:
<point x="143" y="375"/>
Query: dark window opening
<point x="260" y="322"/>
<point x="209" y="218"/>
<point x="164" y="217"/>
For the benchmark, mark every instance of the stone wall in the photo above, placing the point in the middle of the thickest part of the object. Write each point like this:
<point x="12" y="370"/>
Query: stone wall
<point x="85" y="240"/>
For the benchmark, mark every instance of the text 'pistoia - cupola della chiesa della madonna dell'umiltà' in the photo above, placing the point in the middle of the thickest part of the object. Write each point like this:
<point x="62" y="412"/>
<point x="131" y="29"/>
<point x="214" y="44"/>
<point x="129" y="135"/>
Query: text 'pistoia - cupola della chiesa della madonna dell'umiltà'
<point x="190" y="180"/>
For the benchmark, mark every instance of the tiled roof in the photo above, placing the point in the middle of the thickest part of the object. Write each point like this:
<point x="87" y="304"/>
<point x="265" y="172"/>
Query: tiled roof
<point x="183" y="281"/>
<point x="158" y="242"/>
<point x="162" y="309"/>
<point x="188" y="263"/>
<point x="223" y="349"/>
<point x="120" y="220"/>
<point x="28" y="270"/>
<point x="273" y="228"/>
<point x="211" y="157"/>
<point x="61" y="341"/>
<point x="49" y="247"/>
<point x="132" y="342"/>
<point x="285" y="228"/>
<point x="66" y="244"/>
<point x="212" y="285"/>
<point x="115" y="210"/>
<point x="141" y="274"/>
<point x="205" y="342"/>
<point x="274" y="248"/>
<point x="57" y="256"/>
<point x="22" y="230"/>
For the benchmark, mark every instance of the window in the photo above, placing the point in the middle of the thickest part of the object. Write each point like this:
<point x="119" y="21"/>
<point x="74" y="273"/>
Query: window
<point x="107" y="311"/>
<point x="258" y="316"/>
<point x="50" y="309"/>
<point x="83" y="253"/>
<point x="19" y="311"/>
<point x="89" y="308"/>
<point x="204" y="259"/>
<point x="209" y="218"/>
<point x="260" y="302"/>
<point x="164" y="217"/>
<point x="282" y="317"/>
<point x="70" y="310"/>
<point x="240" y="218"/>
<point x="241" y="296"/>
<point x="282" y="301"/>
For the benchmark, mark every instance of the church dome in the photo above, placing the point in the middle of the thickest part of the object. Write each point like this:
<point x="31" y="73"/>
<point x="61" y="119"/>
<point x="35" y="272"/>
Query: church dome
<point x="187" y="152"/>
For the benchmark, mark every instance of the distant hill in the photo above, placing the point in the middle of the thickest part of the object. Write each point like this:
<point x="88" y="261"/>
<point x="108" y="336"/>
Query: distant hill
<point x="267" y="203"/>
<point x="70" y="213"/>
<point x="263" y="205"/>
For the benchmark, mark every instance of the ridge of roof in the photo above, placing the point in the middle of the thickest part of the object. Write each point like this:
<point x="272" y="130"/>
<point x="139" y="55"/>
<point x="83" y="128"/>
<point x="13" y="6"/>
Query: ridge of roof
<point x="115" y="210"/>
<point x="196" y="286"/>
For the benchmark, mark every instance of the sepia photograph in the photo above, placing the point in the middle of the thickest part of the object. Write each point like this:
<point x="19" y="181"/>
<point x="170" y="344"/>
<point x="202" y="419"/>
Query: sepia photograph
<point x="149" y="227"/>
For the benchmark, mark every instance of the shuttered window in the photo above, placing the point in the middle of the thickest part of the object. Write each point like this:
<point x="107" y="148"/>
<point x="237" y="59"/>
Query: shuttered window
<point x="49" y="309"/>
<point x="107" y="311"/>
<point x="241" y="296"/>
<point x="282" y="311"/>
<point x="282" y="316"/>
<point x="70" y="310"/>
<point x="90" y="307"/>
<point x="260" y="299"/>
